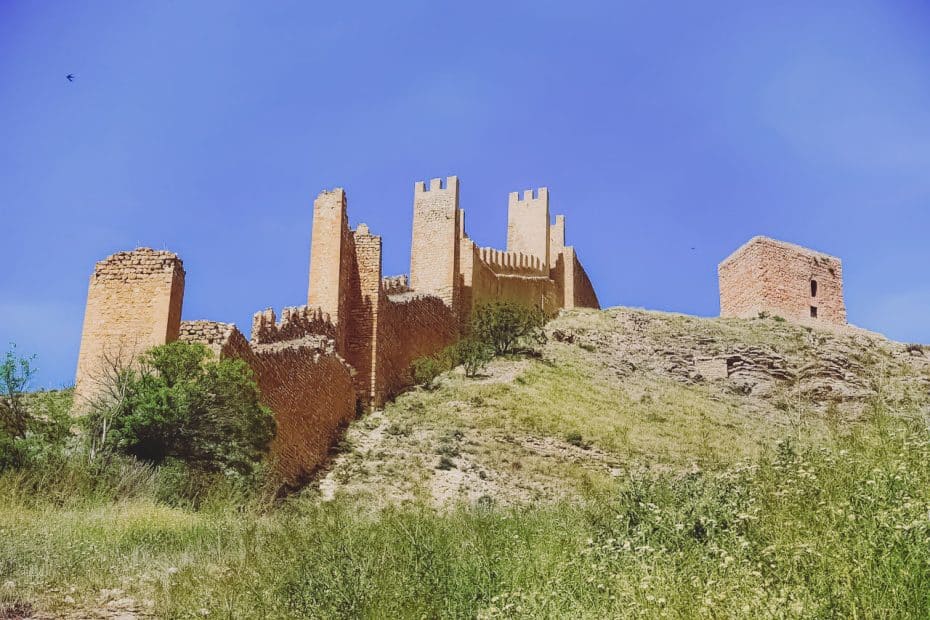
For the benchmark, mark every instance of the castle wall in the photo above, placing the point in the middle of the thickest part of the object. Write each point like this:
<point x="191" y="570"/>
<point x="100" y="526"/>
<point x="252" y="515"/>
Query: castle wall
<point x="502" y="280"/>
<point x="435" y="245"/>
<point x="577" y="290"/>
<point x="528" y="224"/>
<point x="302" y="380"/>
<point x="784" y="279"/>
<point x="556" y="239"/>
<point x="312" y="395"/>
<point x="358" y="335"/>
<point x="410" y="326"/>
<point x="133" y="303"/>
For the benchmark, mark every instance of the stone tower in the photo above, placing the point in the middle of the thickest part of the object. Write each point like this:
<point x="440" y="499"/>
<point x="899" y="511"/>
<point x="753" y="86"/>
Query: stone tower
<point x="133" y="303"/>
<point x="528" y="224"/>
<point x="434" y="251"/>
<point x="330" y="259"/>
<point x="783" y="279"/>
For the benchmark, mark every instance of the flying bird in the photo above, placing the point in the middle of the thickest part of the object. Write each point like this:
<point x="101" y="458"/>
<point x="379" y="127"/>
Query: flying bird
<point x="70" y="77"/>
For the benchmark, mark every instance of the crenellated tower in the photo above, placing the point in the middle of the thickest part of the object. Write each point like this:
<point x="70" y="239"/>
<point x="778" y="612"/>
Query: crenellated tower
<point x="434" y="251"/>
<point x="528" y="224"/>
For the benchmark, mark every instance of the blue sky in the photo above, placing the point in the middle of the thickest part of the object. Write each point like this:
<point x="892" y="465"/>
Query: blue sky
<point x="207" y="128"/>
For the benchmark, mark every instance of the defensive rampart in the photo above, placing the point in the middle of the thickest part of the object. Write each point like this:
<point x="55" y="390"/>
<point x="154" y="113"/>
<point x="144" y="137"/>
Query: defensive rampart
<point x="354" y="341"/>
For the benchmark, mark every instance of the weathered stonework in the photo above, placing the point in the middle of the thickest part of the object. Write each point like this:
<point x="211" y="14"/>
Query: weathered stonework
<point x="783" y="279"/>
<point x="133" y="303"/>
<point x="356" y="338"/>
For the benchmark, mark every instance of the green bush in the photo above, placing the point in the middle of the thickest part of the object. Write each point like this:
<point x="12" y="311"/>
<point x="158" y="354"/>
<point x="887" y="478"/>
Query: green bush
<point x="426" y="370"/>
<point x="474" y="355"/>
<point x="505" y="325"/>
<point x="180" y="406"/>
<point x="33" y="426"/>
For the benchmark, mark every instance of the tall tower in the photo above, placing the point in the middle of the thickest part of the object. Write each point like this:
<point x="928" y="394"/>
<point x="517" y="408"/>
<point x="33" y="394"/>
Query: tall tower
<point x="528" y="224"/>
<point x="133" y="303"/>
<point x="434" y="252"/>
<point x="330" y="259"/>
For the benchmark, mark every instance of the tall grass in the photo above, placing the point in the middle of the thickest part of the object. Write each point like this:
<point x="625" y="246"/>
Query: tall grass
<point x="840" y="531"/>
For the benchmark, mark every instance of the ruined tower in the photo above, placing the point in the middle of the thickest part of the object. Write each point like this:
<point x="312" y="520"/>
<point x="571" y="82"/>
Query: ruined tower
<point x="330" y="259"/>
<point x="783" y="279"/>
<point x="133" y="303"/>
<point x="434" y="251"/>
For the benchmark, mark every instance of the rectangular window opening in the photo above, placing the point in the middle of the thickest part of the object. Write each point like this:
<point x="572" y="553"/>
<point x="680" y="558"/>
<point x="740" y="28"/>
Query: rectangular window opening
<point x="813" y="312"/>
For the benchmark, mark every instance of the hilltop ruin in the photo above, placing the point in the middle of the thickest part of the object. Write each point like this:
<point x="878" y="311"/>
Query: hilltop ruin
<point x="353" y="342"/>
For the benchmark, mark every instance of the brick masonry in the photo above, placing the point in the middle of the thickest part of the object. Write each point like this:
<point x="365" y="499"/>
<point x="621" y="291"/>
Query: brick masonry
<point x="783" y="279"/>
<point x="357" y="336"/>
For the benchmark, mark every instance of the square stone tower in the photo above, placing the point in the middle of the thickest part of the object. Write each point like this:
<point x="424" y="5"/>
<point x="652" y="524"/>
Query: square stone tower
<point x="133" y="303"/>
<point x="528" y="224"/>
<point x="783" y="279"/>
<point x="434" y="251"/>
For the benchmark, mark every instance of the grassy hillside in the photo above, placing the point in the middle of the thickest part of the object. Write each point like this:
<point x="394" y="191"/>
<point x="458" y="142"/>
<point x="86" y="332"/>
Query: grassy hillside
<point x="622" y="397"/>
<point x="604" y="478"/>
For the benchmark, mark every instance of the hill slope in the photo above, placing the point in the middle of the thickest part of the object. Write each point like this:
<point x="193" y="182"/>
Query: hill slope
<point x="620" y="390"/>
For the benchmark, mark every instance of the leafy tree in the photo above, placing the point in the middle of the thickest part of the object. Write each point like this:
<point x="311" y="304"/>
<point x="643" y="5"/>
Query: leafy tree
<point x="504" y="325"/>
<point x="15" y="374"/>
<point x="181" y="404"/>
<point x="34" y="425"/>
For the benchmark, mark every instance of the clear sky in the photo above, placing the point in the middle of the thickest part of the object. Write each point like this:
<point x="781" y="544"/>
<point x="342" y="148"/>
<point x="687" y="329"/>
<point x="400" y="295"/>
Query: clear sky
<point x="207" y="128"/>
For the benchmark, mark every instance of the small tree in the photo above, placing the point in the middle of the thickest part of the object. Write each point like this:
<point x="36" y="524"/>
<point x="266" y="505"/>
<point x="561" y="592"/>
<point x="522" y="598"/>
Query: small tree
<point x="15" y="374"/>
<point x="180" y="404"/>
<point x="504" y="325"/>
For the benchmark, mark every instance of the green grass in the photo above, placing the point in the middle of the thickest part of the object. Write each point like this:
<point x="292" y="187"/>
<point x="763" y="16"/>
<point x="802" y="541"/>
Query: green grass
<point x="842" y="530"/>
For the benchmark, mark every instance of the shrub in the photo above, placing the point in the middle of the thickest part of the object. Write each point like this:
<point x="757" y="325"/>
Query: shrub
<point x="15" y="374"/>
<point x="33" y="426"/>
<point x="504" y="325"/>
<point x="180" y="405"/>
<point x="426" y="370"/>
<point x="474" y="355"/>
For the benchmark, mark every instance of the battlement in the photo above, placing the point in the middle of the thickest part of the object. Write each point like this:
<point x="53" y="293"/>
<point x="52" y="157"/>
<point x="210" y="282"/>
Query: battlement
<point x="512" y="263"/>
<point x="139" y="264"/>
<point x="296" y="322"/>
<point x="528" y="224"/>
<point x="530" y="198"/>
<point x="451" y="184"/>
<point x="356" y="339"/>
<point x="210" y="333"/>
<point x="395" y="285"/>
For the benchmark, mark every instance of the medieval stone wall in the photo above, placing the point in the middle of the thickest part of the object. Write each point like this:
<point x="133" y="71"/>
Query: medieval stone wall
<point x="410" y="326"/>
<point x="485" y="281"/>
<point x="133" y="303"/>
<point x="296" y="322"/>
<point x="579" y="292"/>
<point x="784" y="279"/>
<point x="303" y="381"/>
<point x="355" y="340"/>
